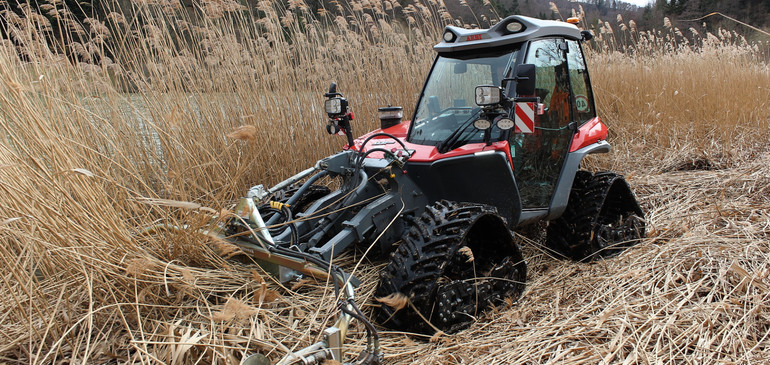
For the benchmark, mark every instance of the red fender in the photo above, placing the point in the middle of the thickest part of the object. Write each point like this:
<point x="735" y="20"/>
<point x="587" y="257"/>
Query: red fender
<point x="589" y="133"/>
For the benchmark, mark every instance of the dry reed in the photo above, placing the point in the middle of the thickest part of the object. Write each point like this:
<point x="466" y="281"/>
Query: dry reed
<point x="108" y="126"/>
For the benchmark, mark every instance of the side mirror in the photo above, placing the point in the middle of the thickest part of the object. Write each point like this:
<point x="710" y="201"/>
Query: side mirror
<point x="525" y="79"/>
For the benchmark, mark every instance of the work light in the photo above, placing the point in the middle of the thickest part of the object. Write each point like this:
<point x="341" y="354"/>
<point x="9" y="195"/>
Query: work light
<point x="488" y="95"/>
<point x="333" y="106"/>
<point x="505" y="123"/>
<point x="482" y="124"/>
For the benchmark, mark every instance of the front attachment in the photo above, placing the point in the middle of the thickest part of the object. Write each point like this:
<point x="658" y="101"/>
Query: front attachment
<point x="602" y="218"/>
<point x="457" y="260"/>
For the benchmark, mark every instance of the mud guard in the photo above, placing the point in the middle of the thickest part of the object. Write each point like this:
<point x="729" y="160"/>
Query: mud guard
<point x="567" y="177"/>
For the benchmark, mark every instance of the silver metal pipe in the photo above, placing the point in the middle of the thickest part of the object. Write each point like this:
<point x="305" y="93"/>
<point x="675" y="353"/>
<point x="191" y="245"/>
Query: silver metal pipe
<point x="312" y="354"/>
<point x="303" y="174"/>
<point x="257" y="219"/>
<point x="258" y="192"/>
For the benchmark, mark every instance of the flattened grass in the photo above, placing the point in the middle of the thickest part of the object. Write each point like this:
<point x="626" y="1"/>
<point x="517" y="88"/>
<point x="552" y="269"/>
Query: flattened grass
<point x="239" y="103"/>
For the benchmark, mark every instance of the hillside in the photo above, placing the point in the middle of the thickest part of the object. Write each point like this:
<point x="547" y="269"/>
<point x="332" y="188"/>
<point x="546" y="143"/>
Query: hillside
<point x="681" y="13"/>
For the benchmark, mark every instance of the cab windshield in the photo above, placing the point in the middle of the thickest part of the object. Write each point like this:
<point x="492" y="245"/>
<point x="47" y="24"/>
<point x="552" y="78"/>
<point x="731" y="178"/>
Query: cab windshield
<point x="448" y="102"/>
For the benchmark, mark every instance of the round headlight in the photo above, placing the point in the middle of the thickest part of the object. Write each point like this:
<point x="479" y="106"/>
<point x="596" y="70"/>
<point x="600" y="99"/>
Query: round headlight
<point x="514" y="27"/>
<point x="482" y="124"/>
<point x="449" y="36"/>
<point x="505" y="124"/>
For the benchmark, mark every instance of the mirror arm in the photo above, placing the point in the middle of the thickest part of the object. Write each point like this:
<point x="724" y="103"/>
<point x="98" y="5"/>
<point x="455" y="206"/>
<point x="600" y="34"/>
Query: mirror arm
<point x="509" y="79"/>
<point x="533" y="99"/>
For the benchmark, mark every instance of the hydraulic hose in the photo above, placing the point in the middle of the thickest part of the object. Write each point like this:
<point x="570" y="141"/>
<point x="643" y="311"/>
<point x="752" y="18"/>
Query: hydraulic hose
<point x="380" y="134"/>
<point x="369" y="326"/>
<point x="266" y="208"/>
<point x="356" y="313"/>
<point x="281" y="229"/>
<point x="298" y="194"/>
<point x="371" y="332"/>
<point x="363" y="156"/>
<point x="342" y="202"/>
<point x="294" y="238"/>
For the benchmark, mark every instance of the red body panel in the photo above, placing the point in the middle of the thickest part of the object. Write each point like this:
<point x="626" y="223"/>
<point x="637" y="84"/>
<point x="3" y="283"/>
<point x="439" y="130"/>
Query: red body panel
<point x="591" y="132"/>
<point x="423" y="153"/>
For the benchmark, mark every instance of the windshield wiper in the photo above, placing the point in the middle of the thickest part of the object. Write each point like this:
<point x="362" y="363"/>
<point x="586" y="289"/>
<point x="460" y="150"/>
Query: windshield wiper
<point x="446" y="144"/>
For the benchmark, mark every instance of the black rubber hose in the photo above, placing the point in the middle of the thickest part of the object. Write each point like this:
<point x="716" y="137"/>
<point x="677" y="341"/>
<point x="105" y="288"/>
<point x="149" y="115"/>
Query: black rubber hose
<point x="359" y="185"/>
<point x="298" y="194"/>
<point x="386" y="135"/>
<point x="294" y="238"/>
<point x="287" y="217"/>
<point x="368" y="152"/>
<point x="362" y="157"/>
<point x="333" y="207"/>
<point x="371" y="332"/>
<point x="357" y="314"/>
<point x="370" y="327"/>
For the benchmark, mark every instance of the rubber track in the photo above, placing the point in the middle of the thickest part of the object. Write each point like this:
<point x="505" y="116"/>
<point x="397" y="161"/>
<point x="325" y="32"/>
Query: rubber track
<point x="429" y="270"/>
<point x="590" y="209"/>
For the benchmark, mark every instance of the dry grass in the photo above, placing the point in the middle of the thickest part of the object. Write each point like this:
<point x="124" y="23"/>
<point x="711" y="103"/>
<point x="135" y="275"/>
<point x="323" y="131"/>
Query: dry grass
<point x="695" y="292"/>
<point x="701" y="99"/>
<point x="84" y="166"/>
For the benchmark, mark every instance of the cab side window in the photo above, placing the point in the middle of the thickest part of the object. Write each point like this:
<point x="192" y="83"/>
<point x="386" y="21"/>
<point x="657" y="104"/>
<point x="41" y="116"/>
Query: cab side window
<point x="583" y="99"/>
<point x="538" y="156"/>
<point x="552" y="82"/>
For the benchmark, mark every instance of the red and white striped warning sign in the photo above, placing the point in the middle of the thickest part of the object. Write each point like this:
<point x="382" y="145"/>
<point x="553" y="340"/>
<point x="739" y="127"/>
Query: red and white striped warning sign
<point x="525" y="117"/>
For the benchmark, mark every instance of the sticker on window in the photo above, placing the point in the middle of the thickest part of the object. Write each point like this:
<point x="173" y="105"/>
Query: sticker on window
<point x="581" y="102"/>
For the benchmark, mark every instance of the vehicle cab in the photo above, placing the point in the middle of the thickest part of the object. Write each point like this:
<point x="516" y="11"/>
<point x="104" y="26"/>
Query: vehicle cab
<point x="504" y="110"/>
<point x="452" y="116"/>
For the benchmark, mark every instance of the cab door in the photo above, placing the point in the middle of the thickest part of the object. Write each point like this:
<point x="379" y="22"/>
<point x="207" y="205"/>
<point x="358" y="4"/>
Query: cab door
<point x="583" y="107"/>
<point x="538" y="157"/>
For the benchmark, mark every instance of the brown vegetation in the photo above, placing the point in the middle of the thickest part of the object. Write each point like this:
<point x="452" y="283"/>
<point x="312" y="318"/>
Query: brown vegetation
<point x="224" y="101"/>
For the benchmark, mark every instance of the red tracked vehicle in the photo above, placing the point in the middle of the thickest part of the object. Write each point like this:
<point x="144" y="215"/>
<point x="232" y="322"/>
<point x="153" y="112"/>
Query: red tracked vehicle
<point x="503" y="122"/>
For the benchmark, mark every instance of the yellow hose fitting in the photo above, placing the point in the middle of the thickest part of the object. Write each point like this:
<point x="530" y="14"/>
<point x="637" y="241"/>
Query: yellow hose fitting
<point x="278" y="205"/>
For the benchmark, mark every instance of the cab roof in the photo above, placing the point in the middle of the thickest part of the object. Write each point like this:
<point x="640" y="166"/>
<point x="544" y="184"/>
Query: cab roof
<point x="500" y="35"/>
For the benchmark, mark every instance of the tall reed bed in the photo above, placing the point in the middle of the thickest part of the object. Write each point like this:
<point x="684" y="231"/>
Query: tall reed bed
<point x="693" y="96"/>
<point x="163" y="112"/>
<point x="108" y="123"/>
